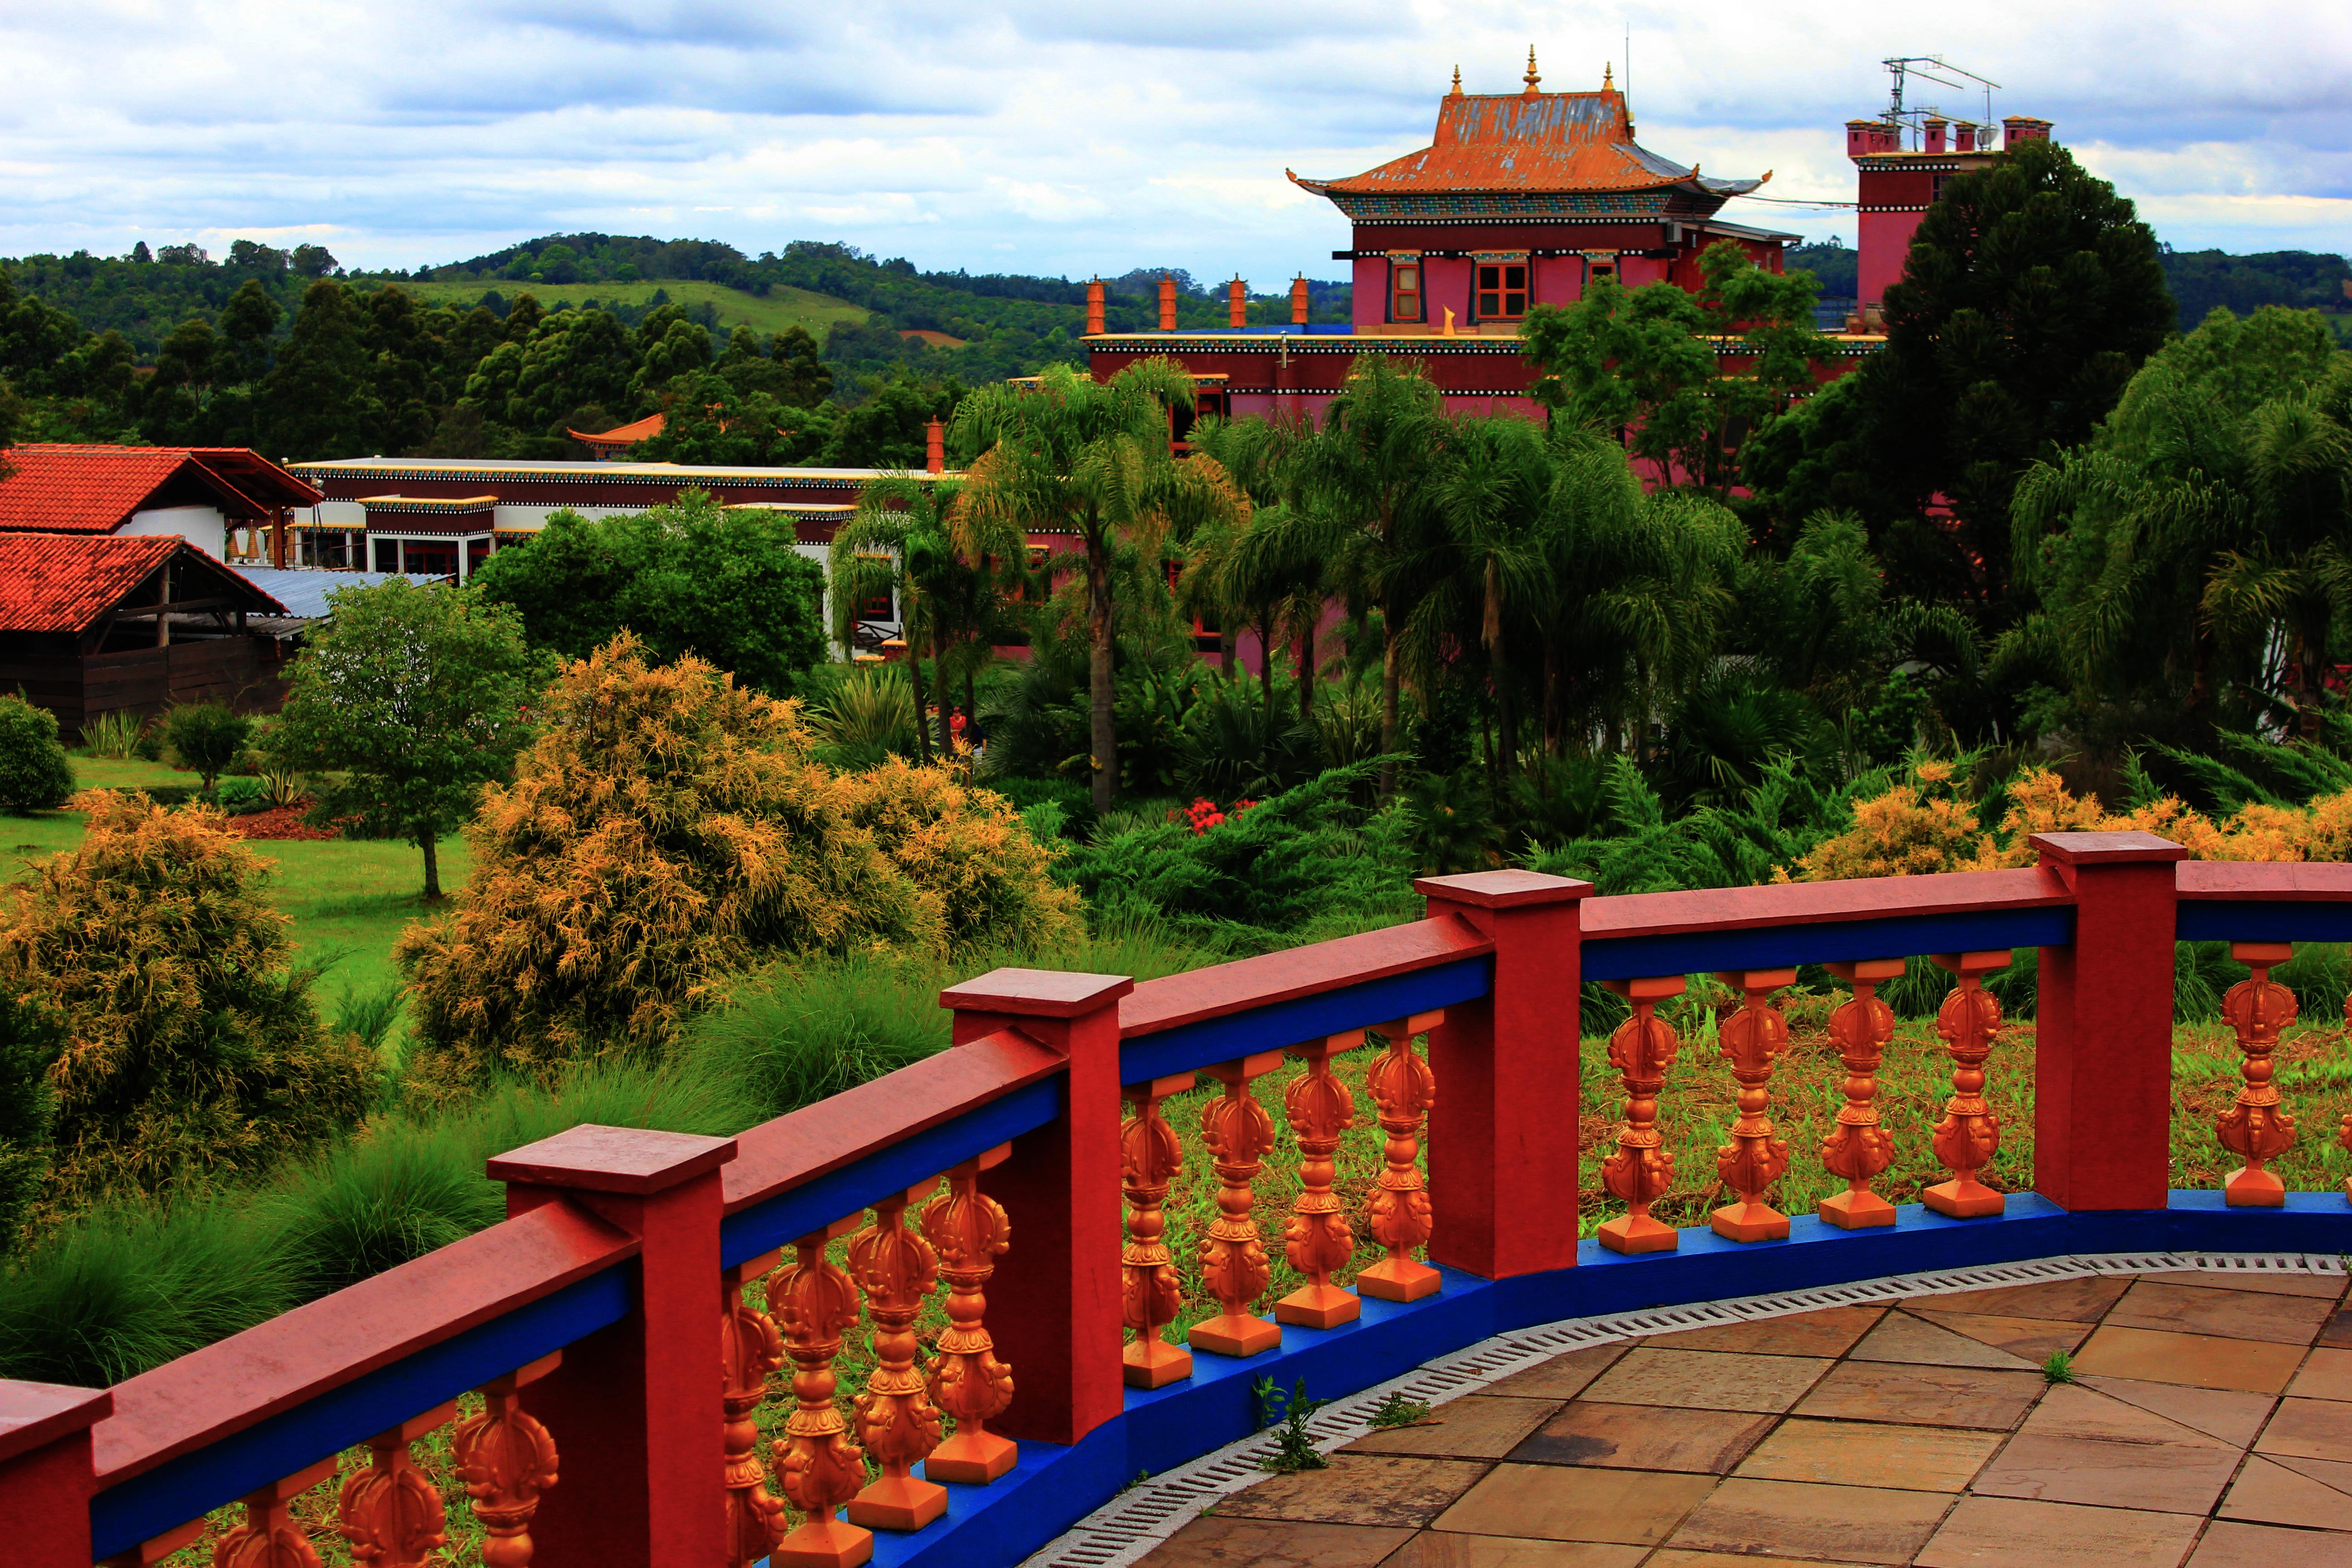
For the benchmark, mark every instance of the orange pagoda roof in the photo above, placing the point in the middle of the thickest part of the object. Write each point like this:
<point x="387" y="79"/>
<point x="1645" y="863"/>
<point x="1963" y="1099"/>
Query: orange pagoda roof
<point x="627" y="435"/>
<point x="1529" y="154"/>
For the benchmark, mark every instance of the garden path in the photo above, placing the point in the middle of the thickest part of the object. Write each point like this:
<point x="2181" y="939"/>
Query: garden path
<point x="2210" y="1425"/>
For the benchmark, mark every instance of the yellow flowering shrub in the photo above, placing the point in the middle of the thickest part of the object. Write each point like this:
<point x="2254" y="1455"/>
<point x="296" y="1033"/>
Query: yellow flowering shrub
<point x="190" y="1048"/>
<point x="968" y="852"/>
<point x="1919" y="828"/>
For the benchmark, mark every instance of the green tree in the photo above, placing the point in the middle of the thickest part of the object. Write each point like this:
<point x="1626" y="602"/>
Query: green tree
<point x="897" y="542"/>
<point x="1649" y="364"/>
<point x="207" y="737"/>
<point x="1089" y="458"/>
<point x="2296" y="573"/>
<point x="35" y="773"/>
<point x="417" y="695"/>
<point x="692" y="576"/>
<point x="319" y="401"/>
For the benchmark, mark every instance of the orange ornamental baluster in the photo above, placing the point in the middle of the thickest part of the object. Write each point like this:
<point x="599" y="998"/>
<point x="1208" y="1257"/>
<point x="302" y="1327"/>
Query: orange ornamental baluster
<point x="1860" y="1147"/>
<point x="1752" y="1040"/>
<point x="896" y="1270"/>
<point x="814" y="1304"/>
<point x="270" y="1538"/>
<point x="390" y="1513"/>
<point x="2255" y="1128"/>
<point x="1319" y="1239"/>
<point x="971" y="1231"/>
<point x="1234" y="1264"/>
<point x="1402" y="1085"/>
<point x="1151" y="1292"/>
<point x="506" y="1459"/>
<point x="1969" y="1134"/>
<point x="749" y="1349"/>
<point x="1640" y="1171"/>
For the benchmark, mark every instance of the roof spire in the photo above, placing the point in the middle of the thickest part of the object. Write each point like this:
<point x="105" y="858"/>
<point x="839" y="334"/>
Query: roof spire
<point x="1457" y="83"/>
<point x="1532" y="79"/>
<point x="1606" y="84"/>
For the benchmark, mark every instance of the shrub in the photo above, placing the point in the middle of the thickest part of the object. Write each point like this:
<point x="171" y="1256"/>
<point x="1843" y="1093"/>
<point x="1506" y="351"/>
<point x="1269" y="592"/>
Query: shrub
<point x="868" y="719"/>
<point x="191" y="1045"/>
<point x="668" y="829"/>
<point x="112" y="736"/>
<point x="968" y="849"/>
<point x="207" y="737"/>
<point x="240" y="796"/>
<point x="29" y="1043"/>
<point x="35" y="774"/>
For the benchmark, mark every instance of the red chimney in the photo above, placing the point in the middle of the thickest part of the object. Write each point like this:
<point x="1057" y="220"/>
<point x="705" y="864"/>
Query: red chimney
<point x="1237" y="304"/>
<point x="2018" y="128"/>
<point x="1168" y="304"/>
<point x="1298" y="301"/>
<point x="935" y="455"/>
<point x="1935" y="127"/>
<point x="1095" y="309"/>
<point x="1964" y="137"/>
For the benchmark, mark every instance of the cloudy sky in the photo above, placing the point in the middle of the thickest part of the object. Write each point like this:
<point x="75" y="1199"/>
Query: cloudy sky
<point x="1067" y="138"/>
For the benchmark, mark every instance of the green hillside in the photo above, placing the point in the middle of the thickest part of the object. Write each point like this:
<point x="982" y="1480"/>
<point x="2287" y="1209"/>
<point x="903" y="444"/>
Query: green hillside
<point x="782" y="307"/>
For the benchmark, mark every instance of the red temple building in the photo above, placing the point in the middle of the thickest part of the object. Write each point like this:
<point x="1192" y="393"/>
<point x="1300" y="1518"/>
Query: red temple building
<point x="1896" y="185"/>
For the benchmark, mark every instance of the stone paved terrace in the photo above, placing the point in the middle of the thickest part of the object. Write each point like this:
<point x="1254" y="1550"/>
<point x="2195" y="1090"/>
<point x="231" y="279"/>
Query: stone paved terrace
<point x="2210" y="1425"/>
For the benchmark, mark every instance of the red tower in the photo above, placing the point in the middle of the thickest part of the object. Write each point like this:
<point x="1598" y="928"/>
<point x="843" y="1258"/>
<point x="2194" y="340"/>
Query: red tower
<point x="1896" y="185"/>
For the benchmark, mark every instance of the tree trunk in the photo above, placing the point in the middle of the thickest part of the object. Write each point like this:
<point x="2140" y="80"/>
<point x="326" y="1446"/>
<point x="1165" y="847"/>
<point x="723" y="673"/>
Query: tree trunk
<point x="1552" y="738"/>
<point x="432" y="866"/>
<point x="915" y="675"/>
<point x="1266" y="664"/>
<point x="1229" y="649"/>
<point x="1389" y="683"/>
<point x="1498" y="666"/>
<point x="1102" y="759"/>
<point x="940" y="681"/>
<point x="2314" y="654"/>
<point x="1306" y="640"/>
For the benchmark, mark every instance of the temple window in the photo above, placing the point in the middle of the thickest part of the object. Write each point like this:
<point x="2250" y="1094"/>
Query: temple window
<point x="1502" y="291"/>
<point x="1404" y="290"/>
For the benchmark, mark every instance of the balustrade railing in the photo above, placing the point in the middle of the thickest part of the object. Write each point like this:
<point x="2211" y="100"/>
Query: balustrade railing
<point x="990" y="1229"/>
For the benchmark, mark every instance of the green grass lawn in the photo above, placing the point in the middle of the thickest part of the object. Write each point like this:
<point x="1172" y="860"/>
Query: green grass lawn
<point x="131" y="772"/>
<point x="782" y="307"/>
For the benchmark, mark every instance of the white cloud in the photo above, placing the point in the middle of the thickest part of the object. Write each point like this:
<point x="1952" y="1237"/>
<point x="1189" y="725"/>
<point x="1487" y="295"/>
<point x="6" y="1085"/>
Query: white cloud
<point x="1065" y="137"/>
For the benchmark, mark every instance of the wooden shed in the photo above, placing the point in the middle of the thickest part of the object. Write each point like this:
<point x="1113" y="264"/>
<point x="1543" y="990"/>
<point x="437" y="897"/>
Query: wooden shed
<point x="90" y="625"/>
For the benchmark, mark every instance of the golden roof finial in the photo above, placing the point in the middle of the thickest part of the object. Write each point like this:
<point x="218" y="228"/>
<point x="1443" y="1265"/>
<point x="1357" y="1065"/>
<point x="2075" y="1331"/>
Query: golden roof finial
<point x="1532" y="79"/>
<point x="1457" y="83"/>
<point x="1606" y="83"/>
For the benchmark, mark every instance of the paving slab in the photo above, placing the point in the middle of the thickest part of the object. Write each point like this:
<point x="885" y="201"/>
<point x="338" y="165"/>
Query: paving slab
<point x="2233" y="1417"/>
<point x="1798" y="1519"/>
<point x="2199" y="1361"/>
<point x="2308" y="1429"/>
<point x="2326" y="1374"/>
<point x="1644" y="1438"/>
<point x="2033" y="1338"/>
<point x="1830" y="1332"/>
<point x="2269" y="1493"/>
<point x="2083" y="1299"/>
<point x="1904" y="1337"/>
<point x="1554" y="1502"/>
<point x="2230" y="1544"/>
<point x="1444" y="1549"/>
<point x="1707" y="1379"/>
<point x="1476" y="1428"/>
<point x="1866" y="1453"/>
<point x="2231" y="1314"/>
<point x="2327" y="1287"/>
<point x="1385" y="1489"/>
<point x="1923" y="1395"/>
<point x="1218" y="1542"/>
<point x="1562" y="1377"/>
<point x="2004" y="1533"/>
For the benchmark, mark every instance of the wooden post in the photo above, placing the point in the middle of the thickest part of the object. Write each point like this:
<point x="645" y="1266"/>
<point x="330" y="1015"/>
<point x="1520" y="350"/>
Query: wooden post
<point x="638" y="1405"/>
<point x="1054" y="1302"/>
<point x="2103" y="1025"/>
<point x="1502" y="1133"/>
<point x="46" y="1478"/>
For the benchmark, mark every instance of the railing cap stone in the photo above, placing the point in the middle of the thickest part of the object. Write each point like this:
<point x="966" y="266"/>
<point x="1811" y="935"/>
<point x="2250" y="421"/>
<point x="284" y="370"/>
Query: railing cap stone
<point x="1502" y="889"/>
<point x="612" y="1159"/>
<point x="1037" y="992"/>
<point x="2105" y="848"/>
<point x="33" y="1414"/>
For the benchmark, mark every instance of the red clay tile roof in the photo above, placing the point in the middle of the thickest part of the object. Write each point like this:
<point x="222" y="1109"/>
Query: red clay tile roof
<point x="628" y="434"/>
<point x="1533" y="141"/>
<point x="67" y="487"/>
<point x="58" y="582"/>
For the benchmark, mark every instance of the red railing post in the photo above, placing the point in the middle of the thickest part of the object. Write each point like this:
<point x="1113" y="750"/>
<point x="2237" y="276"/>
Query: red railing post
<point x="1502" y="1133"/>
<point x="636" y="1406"/>
<point x="46" y="1478"/>
<point x="2103" y="1026"/>
<point x="1054" y="1302"/>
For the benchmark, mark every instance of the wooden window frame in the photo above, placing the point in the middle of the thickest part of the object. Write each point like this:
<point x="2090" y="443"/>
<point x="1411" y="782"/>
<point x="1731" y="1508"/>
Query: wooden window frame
<point x="1495" y="294"/>
<point x="1399" y="267"/>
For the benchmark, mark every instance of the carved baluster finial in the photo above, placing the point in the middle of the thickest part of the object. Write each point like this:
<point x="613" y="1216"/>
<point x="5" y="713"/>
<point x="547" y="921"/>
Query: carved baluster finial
<point x="820" y="1468"/>
<point x="1150" y="1291"/>
<point x="1318" y="1239"/>
<point x="1234" y="1264"/>
<point x="390" y="1513"/>
<point x="1752" y="1040"/>
<point x="506" y="1459"/>
<point x="1969" y="1134"/>
<point x="2255" y="1128"/>
<point x="896" y="1270"/>
<point x="971" y="1231"/>
<point x="749" y="1349"/>
<point x="1642" y="1049"/>
<point x="1860" y="1147"/>
<point x="270" y="1538"/>
<point x="1402" y="1085"/>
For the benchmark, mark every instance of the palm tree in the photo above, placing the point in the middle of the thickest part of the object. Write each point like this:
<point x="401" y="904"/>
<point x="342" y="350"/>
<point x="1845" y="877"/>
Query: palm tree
<point x="2297" y="576"/>
<point x="897" y="542"/>
<point x="1091" y="458"/>
<point x="1369" y="471"/>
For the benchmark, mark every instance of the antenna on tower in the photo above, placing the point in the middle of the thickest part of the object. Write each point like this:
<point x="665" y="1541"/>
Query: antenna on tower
<point x="1629" y="62"/>
<point x="1917" y="65"/>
